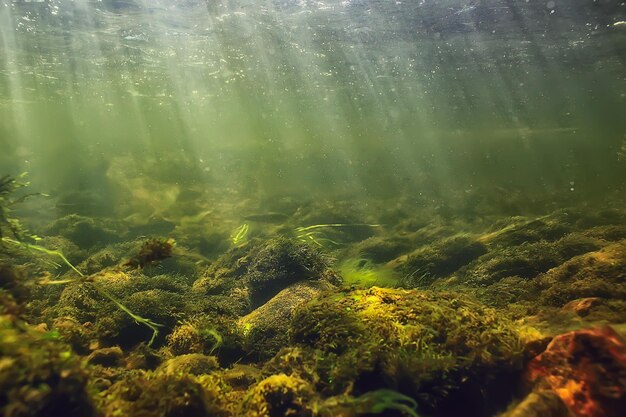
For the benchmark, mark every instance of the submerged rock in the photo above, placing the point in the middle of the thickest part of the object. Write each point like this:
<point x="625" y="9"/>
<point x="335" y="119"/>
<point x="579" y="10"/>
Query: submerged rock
<point x="165" y="395"/>
<point x="586" y="369"/>
<point x="39" y="374"/>
<point x="439" y="348"/>
<point x="265" y="329"/>
<point x="440" y="259"/>
<point x="279" y="395"/>
<point x="262" y="269"/>
<point x="600" y="273"/>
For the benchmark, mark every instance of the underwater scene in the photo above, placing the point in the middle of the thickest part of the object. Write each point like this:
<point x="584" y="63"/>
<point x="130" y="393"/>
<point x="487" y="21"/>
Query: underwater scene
<point x="312" y="208"/>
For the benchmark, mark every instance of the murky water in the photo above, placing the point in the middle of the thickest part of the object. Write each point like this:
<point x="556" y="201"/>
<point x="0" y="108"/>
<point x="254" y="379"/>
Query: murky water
<point x="362" y="97"/>
<point x="311" y="208"/>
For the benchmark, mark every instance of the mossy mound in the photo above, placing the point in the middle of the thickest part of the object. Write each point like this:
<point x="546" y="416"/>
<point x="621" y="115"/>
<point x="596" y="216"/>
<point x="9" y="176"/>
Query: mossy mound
<point x="279" y="263"/>
<point x="164" y="299"/>
<point x="440" y="259"/>
<point x="261" y="270"/>
<point x="39" y="374"/>
<point x="599" y="273"/>
<point x="265" y="329"/>
<point x="439" y="348"/>
<point x="381" y="249"/>
<point x="207" y="334"/>
<point x="277" y="396"/>
<point x="86" y="232"/>
<point x="526" y="260"/>
<point x="160" y="394"/>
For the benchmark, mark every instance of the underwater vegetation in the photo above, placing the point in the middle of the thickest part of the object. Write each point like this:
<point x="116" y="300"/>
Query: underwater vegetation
<point x="425" y="319"/>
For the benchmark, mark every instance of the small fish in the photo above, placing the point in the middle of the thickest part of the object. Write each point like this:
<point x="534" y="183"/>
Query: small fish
<point x="270" y="217"/>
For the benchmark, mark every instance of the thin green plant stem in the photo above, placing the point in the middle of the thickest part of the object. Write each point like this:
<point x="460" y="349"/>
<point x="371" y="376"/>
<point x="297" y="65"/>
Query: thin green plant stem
<point x="138" y="319"/>
<point x="318" y="226"/>
<point x="44" y="250"/>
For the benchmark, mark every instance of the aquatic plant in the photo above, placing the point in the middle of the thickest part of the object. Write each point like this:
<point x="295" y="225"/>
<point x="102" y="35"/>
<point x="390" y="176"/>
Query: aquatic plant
<point x="365" y="273"/>
<point x="20" y="235"/>
<point x="315" y="233"/>
<point x="240" y="235"/>
<point x="379" y="401"/>
<point x="11" y="227"/>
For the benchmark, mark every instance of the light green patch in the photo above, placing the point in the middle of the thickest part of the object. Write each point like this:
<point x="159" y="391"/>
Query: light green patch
<point x="239" y="236"/>
<point x="364" y="273"/>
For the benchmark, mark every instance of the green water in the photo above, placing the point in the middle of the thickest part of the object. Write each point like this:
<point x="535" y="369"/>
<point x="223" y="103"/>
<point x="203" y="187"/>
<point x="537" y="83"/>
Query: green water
<point x="308" y="208"/>
<point x="353" y="99"/>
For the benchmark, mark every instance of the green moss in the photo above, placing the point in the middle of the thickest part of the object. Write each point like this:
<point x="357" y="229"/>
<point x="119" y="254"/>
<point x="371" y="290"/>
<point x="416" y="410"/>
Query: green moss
<point x="39" y="374"/>
<point x="279" y="395"/>
<point x="420" y="342"/>
<point x="365" y="273"/>
<point x="440" y="259"/>
<point x="165" y="395"/>
<point x="85" y="232"/>
<point x="600" y="273"/>
<point x="381" y="248"/>
<point x="280" y="262"/>
<point x="526" y="260"/>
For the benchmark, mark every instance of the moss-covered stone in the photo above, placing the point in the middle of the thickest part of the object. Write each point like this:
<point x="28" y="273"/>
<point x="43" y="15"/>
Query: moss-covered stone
<point x="39" y="374"/>
<point x="190" y="364"/>
<point x="165" y="395"/>
<point x="381" y="249"/>
<point x="277" y="396"/>
<point x="422" y="343"/>
<point x="440" y="259"/>
<point x="279" y="263"/>
<point x="162" y="299"/>
<point x="86" y="232"/>
<point x="599" y="273"/>
<point x="265" y="330"/>
<point x="526" y="260"/>
<point x="260" y="270"/>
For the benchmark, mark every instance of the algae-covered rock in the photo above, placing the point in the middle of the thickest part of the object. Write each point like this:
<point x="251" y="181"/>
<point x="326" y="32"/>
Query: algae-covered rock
<point x="279" y="263"/>
<point x="381" y="249"/>
<point x="435" y="347"/>
<point x="526" y="260"/>
<point x="106" y="257"/>
<point x="163" y="299"/>
<point x="39" y="374"/>
<point x="599" y="273"/>
<point x="109" y="357"/>
<point x="277" y="396"/>
<point x="160" y="306"/>
<point x="513" y="231"/>
<point x="86" y="232"/>
<point x="190" y="364"/>
<point x="440" y="259"/>
<point x="165" y="395"/>
<point x="261" y="269"/>
<point x="199" y="334"/>
<point x="265" y="329"/>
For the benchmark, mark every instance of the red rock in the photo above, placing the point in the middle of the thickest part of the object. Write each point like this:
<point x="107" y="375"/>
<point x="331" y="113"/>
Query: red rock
<point x="587" y="370"/>
<point x="582" y="306"/>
